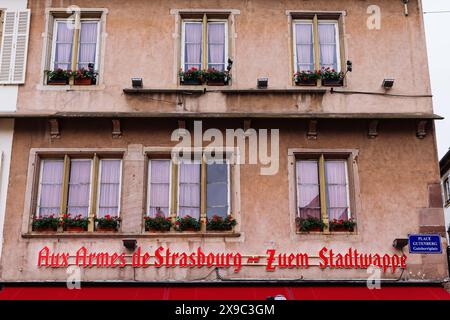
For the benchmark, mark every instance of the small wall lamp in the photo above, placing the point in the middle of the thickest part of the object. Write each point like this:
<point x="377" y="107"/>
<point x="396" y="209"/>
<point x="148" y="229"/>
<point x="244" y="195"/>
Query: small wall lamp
<point x="137" y="82"/>
<point x="400" y="243"/>
<point x="262" y="83"/>
<point x="388" y="83"/>
<point x="130" y="244"/>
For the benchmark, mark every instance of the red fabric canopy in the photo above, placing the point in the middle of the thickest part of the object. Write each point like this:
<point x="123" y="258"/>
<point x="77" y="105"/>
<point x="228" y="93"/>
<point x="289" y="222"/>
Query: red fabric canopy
<point x="222" y="293"/>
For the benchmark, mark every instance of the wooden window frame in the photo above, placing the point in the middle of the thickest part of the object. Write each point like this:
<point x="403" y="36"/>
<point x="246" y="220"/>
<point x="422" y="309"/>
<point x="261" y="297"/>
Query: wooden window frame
<point x="47" y="63"/>
<point x="153" y="154"/>
<point x="97" y="177"/>
<point x="204" y="22"/>
<point x="75" y="41"/>
<point x="34" y="179"/>
<point x="149" y="177"/>
<point x="350" y="156"/>
<point x="315" y="18"/>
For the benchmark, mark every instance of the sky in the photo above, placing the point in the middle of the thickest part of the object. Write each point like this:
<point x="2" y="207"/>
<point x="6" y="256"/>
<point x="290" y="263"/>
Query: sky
<point x="437" y="27"/>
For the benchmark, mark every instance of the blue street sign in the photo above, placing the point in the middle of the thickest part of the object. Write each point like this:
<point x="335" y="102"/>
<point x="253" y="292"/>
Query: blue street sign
<point x="425" y="243"/>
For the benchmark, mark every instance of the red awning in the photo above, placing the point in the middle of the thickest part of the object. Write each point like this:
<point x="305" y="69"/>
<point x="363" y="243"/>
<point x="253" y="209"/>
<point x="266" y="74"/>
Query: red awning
<point x="222" y="293"/>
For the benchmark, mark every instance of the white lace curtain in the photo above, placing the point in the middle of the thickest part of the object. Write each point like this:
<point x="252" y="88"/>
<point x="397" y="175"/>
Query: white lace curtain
<point x="327" y="42"/>
<point x="159" y="202"/>
<point x="79" y="187"/>
<point x="189" y="190"/>
<point x="216" y="46"/>
<point x="64" y="42"/>
<point x="308" y="189"/>
<point x="305" y="48"/>
<point x="109" y="193"/>
<point x="50" y="188"/>
<point x="193" y="45"/>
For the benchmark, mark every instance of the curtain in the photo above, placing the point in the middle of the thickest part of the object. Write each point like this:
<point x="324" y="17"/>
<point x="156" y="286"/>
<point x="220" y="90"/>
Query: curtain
<point x="216" y="46"/>
<point x="79" y="187"/>
<point x="88" y="44"/>
<point x="109" y="197"/>
<point x="217" y="189"/>
<point x="50" y="188"/>
<point x="304" y="47"/>
<point x="63" y="45"/>
<point x="327" y="42"/>
<point x="193" y="45"/>
<point x="159" y="187"/>
<point x="189" y="190"/>
<point x="308" y="188"/>
<point x="335" y="174"/>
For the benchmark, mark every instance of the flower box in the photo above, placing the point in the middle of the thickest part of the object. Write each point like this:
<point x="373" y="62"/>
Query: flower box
<point x="107" y="223"/>
<point x="57" y="82"/>
<point x="75" y="229"/>
<point x="158" y="223"/>
<point x="105" y="229"/>
<point x="187" y="223"/>
<point x="341" y="229"/>
<point x="191" y="82"/>
<point x="44" y="229"/>
<point x="342" y="225"/>
<point x="83" y="82"/>
<point x="306" y="78"/>
<point x="308" y="82"/>
<point x="309" y="224"/>
<point x="332" y="82"/>
<point x="217" y="82"/>
<point x="315" y="229"/>
<point x="45" y="224"/>
<point x="217" y="223"/>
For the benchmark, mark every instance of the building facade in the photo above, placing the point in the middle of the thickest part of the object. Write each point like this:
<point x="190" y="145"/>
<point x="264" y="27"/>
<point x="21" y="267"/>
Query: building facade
<point x="445" y="174"/>
<point x="315" y="154"/>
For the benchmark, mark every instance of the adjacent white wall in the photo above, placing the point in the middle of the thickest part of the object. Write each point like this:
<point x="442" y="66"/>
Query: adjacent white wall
<point x="8" y="102"/>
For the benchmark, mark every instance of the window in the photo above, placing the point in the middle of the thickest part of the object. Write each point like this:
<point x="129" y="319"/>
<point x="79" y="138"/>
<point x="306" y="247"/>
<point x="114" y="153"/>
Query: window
<point x="73" y="42"/>
<point x="109" y="187"/>
<point x="322" y="185"/>
<point x="447" y="190"/>
<point x="316" y="44"/>
<point x="14" y="45"/>
<point x="160" y="176"/>
<point x="66" y="40"/>
<point x="77" y="185"/>
<point x="196" y="188"/>
<point x="204" y="44"/>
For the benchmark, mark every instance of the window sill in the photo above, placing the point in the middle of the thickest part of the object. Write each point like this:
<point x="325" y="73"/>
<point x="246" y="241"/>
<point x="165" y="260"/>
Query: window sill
<point x="184" y="234"/>
<point x="331" y="233"/>
<point x="69" y="87"/>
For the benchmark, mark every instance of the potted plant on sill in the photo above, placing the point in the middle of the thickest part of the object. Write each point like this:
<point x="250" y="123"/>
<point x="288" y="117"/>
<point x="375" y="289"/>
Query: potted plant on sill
<point x="58" y="77"/>
<point x="217" y="223"/>
<point x="216" y="77"/>
<point x="158" y="223"/>
<point x="193" y="76"/>
<point x="342" y="225"/>
<point x="45" y="224"/>
<point x="306" y="78"/>
<point x="85" y="77"/>
<point x="187" y="223"/>
<point x="310" y="224"/>
<point x="75" y="224"/>
<point x="331" y="78"/>
<point x="107" y="223"/>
